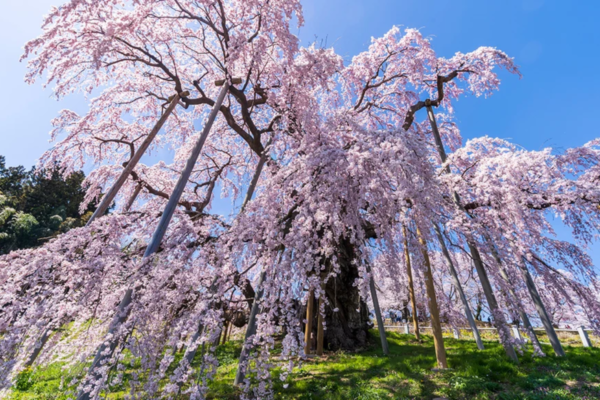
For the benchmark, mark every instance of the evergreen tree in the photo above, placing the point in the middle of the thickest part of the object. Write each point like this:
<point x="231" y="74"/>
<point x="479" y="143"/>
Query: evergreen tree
<point x="36" y="206"/>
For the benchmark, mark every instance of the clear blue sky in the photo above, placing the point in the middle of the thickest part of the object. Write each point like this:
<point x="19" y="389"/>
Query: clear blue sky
<point x="556" y="43"/>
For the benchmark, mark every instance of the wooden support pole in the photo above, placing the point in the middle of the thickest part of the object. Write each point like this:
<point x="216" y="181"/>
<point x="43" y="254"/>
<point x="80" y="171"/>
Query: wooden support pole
<point x="310" y="314"/>
<point x="173" y="202"/>
<point x="499" y="320"/>
<point x="380" y="325"/>
<point x="411" y="286"/>
<point x="320" y="330"/>
<point x="114" y="190"/>
<point x="459" y="289"/>
<point x="228" y="332"/>
<point x="106" y="350"/>
<point x="250" y="331"/>
<point x="221" y="333"/>
<point x="227" y="329"/>
<point x="585" y="339"/>
<point x="542" y="313"/>
<point x="497" y="314"/>
<point x="133" y="197"/>
<point x="436" y="326"/>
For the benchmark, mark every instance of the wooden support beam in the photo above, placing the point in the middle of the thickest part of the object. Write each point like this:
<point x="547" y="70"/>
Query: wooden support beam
<point x="380" y="325"/>
<point x="411" y="286"/>
<point x="234" y="81"/>
<point x="320" y="330"/>
<point x="309" y="323"/>
<point x="436" y="326"/>
<point x="459" y="288"/>
<point x="499" y="320"/>
<point x="131" y="164"/>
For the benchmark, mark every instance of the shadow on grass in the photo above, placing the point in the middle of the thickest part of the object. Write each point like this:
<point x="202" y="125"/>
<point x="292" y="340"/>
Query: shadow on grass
<point x="405" y="374"/>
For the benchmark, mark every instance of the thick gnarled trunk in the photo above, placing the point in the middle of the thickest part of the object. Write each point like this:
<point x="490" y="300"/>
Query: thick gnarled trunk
<point x="348" y="327"/>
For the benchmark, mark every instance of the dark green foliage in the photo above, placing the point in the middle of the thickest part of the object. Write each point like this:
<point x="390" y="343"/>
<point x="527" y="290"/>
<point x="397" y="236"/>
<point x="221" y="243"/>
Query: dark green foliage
<point x="37" y="205"/>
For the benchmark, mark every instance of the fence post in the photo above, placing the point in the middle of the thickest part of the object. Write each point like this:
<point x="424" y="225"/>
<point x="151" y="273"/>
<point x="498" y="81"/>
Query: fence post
<point x="585" y="339"/>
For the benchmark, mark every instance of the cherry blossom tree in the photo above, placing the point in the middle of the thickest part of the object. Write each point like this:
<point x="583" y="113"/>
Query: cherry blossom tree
<point x="331" y="162"/>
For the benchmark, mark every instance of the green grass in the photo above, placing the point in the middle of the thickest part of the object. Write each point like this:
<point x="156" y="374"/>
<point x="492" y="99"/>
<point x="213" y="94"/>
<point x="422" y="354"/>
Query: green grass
<point x="405" y="374"/>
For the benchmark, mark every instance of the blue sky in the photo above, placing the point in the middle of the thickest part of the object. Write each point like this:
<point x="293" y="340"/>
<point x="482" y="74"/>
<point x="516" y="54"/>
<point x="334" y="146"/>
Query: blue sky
<point x="555" y="42"/>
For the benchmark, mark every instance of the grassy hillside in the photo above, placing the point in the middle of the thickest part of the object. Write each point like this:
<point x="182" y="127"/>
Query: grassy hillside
<point x="406" y="374"/>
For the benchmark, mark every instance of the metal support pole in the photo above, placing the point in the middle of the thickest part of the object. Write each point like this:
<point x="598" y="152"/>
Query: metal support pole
<point x="524" y="317"/>
<point x="541" y="309"/>
<point x="517" y="333"/>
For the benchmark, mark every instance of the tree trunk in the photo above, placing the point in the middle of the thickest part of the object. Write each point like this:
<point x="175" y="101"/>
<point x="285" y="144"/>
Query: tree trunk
<point x="348" y="328"/>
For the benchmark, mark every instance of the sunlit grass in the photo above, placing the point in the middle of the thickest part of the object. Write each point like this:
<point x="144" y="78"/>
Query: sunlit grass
<point x="405" y="374"/>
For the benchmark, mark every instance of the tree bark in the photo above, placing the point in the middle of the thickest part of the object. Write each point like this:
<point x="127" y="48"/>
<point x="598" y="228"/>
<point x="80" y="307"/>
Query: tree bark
<point x="348" y="328"/>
